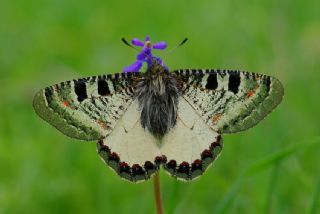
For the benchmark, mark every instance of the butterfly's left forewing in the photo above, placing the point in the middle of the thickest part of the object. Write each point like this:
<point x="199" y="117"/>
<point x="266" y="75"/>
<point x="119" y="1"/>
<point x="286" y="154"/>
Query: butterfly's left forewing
<point x="229" y="101"/>
<point x="88" y="108"/>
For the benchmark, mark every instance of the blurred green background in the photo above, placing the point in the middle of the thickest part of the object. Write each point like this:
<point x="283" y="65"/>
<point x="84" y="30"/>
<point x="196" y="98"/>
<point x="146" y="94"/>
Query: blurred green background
<point x="271" y="168"/>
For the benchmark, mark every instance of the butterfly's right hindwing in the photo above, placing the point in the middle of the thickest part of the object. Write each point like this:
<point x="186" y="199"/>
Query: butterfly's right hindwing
<point x="88" y="108"/>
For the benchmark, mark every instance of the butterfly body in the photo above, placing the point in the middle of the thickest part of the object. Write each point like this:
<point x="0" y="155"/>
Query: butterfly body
<point x="159" y="118"/>
<point x="157" y="93"/>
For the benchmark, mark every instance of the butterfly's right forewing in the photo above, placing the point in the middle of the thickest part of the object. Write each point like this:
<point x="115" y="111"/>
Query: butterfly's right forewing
<point x="88" y="108"/>
<point x="229" y="101"/>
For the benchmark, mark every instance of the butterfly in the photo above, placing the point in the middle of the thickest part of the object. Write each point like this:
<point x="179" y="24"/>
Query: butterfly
<point x="159" y="118"/>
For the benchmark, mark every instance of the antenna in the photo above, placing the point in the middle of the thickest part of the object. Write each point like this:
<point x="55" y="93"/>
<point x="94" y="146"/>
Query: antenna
<point x="128" y="44"/>
<point x="183" y="42"/>
<point x="179" y="45"/>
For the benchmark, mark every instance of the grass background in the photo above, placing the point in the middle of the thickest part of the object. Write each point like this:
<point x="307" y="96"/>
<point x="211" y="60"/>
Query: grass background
<point x="272" y="168"/>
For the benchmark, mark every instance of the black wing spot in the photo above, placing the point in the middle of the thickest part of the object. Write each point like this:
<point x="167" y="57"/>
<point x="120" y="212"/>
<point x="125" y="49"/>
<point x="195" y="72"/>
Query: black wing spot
<point x="80" y="90"/>
<point x="48" y="94"/>
<point x="114" y="84"/>
<point x="194" y="71"/>
<point x="93" y="79"/>
<point x="268" y="84"/>
<point x="212" y="82"/>
<point x="234" y="82"/>
<point x="116" y="76"/>
<point x="197" y="77"/>
<point x="103" y="88"/>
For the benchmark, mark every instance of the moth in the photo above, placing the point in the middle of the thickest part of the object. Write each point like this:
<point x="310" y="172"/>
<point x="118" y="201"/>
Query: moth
<point x="159" y="118"/>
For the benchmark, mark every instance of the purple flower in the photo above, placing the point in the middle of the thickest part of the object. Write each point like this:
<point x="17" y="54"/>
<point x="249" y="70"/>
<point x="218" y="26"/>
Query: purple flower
<point x="145" y="55"/>
<point x="159" y="45"/>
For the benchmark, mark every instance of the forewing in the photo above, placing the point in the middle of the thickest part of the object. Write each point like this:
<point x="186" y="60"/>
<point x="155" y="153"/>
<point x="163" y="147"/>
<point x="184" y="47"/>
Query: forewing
<point x="88" y="108"/>
<point x="130" y="150"/>
<point x="229" y="101"/>
<point x="190" y="146"/>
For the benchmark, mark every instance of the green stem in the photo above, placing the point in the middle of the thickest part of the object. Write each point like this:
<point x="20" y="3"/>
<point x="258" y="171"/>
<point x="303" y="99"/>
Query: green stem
<point x="157" y="193"/>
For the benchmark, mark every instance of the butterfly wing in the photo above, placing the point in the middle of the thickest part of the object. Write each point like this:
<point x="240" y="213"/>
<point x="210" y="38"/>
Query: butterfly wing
<point x="88" y="108"/>
<point x="130" y="150"/>
<point x="191" y="146"/>
<point x="185" y="152"/>
<point x="229" y="101"/>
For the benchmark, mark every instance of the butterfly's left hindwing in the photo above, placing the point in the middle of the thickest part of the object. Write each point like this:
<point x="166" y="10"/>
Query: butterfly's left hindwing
<point x="88" y="108"/>
<point x="130" y="150"/>
<point x="229" y="101"/>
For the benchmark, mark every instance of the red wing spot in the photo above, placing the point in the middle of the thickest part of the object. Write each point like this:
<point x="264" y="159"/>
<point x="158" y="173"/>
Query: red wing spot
<point x="102" y="124"/>
<point x="114" y="157"/>
<point x="123" y="164"/>
<point x="216" y="118"/>
<point x="172" y="164"/>
<point x="184" y="167"/>
<point x="252" y="92"/>
<point x="124" y="167"/>
<point x="136" y="166"/>
<point x="214" y="145"/>
<point x="184" y="163"/>
<point x="104" y="147"/>
<point x="66" y="103"/>
<point x="137" y="170"/>
<point x="197" y="164"/>
<point x="148" y="165"/>
<point x="206" y="154"/>
<point x="160" y="159"/>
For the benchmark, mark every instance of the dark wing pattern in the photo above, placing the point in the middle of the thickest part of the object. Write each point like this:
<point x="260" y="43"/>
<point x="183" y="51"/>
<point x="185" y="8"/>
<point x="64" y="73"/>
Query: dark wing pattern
<point x="229" y="101"/>
<point x="87" y="108"/>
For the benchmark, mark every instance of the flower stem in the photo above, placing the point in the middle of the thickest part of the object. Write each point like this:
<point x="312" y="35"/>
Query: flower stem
<point x="157" y="193"/>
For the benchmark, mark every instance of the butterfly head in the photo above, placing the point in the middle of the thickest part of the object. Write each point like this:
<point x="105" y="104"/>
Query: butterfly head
<point x="157" y="66"/>
<point x="145" y="56"/>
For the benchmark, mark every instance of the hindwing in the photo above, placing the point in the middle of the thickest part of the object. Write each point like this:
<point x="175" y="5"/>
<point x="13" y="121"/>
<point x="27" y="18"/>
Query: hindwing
<point x="130" y="150"/>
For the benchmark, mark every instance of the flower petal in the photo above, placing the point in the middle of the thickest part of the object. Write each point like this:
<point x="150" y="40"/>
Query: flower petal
<point x="144" y="54"/>
<point x="137" y="42"/>
<point x="141" y="56"/>
<point x="160" y="45"/>
<point x="135" y="67"/>
<point x="147" y="39"/>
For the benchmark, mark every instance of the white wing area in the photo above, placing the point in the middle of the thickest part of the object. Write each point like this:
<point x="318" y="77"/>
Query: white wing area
<point x="131" y="150"/>
<point x="131" y="141"/>
<point x="185" y="152"/>
<point x="191" y="145"/>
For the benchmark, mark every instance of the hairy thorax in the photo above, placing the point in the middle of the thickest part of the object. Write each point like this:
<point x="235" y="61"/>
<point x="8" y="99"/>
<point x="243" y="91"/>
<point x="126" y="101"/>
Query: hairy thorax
<point x="157" y="94"/>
